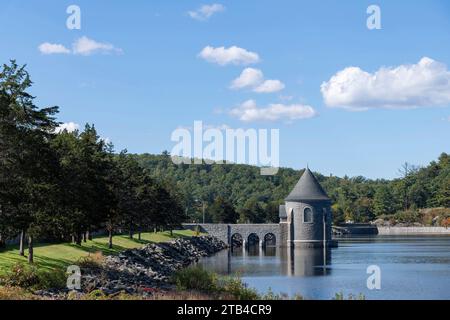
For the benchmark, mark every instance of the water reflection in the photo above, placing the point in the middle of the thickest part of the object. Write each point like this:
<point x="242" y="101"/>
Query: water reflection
<point x="269" y="260"/>
<point x="306" y="261"/>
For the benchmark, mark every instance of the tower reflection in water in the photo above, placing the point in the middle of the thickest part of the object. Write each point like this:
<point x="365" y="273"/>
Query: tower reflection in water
<point x="306" y="261"/>
<point x="271" y="261"/>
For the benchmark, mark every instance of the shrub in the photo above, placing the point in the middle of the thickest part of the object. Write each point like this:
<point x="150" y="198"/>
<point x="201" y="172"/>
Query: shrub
<point x="195" y="278"/>
<point x="92" y="261"/>
<point x="239" y="290"/>
<point x="408" y="216"/>
<point x="29" y="277"/>
<point x="21" y="275"/>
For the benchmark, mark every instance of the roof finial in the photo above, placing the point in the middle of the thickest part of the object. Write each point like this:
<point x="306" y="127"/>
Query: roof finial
<point x="307" y="166"/>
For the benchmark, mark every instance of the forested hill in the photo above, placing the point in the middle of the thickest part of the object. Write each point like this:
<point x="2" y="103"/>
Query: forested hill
<point x="238" y="191"/>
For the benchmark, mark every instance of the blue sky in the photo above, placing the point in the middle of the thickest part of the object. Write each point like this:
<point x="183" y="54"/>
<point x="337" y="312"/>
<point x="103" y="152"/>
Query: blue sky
<point x="151" y="79"/>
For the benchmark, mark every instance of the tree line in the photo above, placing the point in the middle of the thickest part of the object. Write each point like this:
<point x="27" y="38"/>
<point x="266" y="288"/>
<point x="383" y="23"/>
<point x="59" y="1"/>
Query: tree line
<point x="59" y="185"/>
<point x="238" y="193"/>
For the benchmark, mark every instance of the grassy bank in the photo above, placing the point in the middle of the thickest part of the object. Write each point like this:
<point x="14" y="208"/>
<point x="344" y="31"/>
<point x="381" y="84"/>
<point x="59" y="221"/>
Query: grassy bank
<point x="58" y="256"/>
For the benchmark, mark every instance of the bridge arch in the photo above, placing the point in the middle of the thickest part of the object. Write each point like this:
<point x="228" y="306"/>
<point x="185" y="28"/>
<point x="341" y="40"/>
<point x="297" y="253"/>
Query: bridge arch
<point x="228" y="232"/>
<point x="270" y="239"/>
<point x="237" y="240"/>
<point x="253" y="239"/>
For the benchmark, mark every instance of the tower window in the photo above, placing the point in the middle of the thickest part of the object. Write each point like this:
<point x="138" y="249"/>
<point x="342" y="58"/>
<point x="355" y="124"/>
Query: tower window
<point x="307" y="215"/>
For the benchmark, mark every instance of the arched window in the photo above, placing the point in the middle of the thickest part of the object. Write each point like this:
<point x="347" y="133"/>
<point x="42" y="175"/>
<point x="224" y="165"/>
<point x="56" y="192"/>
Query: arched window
<point x="307" y="215"/>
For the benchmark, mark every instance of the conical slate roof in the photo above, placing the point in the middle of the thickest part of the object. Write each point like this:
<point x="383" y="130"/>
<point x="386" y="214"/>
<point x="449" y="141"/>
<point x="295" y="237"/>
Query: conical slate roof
<point x="307" y="188"/>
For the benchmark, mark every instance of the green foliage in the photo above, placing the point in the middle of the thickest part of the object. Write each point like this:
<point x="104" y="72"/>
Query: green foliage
<point x="338" y="214"/>
<point x="252" y="212"/>
<point x="384" y="202"/>
<point x="238" y="289"/>
<point x="407" y="216"/>
<point x="222" y="211"/>
<point x="30" y="277"/>
<point x="195" y="278"/>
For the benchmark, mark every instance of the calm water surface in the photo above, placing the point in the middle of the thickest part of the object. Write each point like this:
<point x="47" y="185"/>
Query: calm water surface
<point x="411" y="268"/>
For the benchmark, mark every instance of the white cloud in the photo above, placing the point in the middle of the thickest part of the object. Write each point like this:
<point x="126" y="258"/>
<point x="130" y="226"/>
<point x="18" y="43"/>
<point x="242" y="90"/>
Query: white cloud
<point x="250" y="77"/>
<point x="85" y="46"/>
<point x="232" y="55"/>
<point x="206" y="11"/>
<point x="82" y="46"/>
<point x="53" y="48"/>
<point x="425" y="84"/>
<point x="269" y="86"/>
<point x="249" y="111"/>
<point x="254" y="78"/>
<point x="69" y="127"/>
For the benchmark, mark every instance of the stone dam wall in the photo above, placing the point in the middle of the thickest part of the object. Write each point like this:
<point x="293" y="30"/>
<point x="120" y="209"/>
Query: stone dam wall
<point x="413" y="231"/>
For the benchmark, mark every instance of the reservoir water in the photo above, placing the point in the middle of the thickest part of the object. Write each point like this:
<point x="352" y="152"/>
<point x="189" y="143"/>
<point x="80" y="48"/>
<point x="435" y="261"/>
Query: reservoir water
<point x="411" y="268"/>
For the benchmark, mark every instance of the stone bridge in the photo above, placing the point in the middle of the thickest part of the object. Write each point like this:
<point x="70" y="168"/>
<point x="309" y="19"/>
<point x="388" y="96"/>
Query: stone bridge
<point x="263" y="233"/>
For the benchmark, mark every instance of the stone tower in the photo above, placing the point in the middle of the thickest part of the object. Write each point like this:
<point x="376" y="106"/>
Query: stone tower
<point x="306" y="219"/>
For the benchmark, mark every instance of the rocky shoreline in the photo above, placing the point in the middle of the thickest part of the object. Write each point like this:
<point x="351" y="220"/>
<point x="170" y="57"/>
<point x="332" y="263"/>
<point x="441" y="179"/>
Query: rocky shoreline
<point x="145" y="270"/>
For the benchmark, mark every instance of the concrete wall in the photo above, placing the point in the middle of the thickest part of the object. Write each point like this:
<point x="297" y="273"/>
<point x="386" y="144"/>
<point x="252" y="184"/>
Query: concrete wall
<point x="413" y="230"/>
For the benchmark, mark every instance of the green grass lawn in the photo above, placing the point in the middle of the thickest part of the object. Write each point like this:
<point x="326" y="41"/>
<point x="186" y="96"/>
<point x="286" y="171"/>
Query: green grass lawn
<point x="51" y="256"/>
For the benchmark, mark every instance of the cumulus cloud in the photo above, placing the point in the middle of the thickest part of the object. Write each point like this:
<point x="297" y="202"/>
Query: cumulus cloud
<point x="250" y="77"/>
<point x="425" y="84"/>
<point x="232" y="55"/>
<point x="206" y="11"/>
<point x="249" y="112"/>
<point x="53" y="48"/>
<point x="69" y="127"/>
<point x="254" y="78"/>
<point x="82" y="46"/>
<point x="85" y="46"/>
<point x="269" y="86"/>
